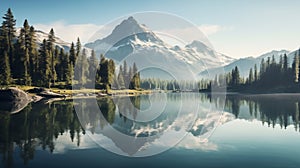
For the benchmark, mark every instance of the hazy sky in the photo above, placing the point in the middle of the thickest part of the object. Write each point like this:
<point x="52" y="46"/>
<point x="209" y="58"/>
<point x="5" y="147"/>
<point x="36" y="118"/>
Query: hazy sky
<point x="235" y="28"/>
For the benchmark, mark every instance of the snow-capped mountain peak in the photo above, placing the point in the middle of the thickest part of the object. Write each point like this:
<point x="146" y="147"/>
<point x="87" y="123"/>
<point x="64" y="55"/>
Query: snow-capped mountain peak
<point x="131" y="38"/>
<point x="129" y="26"/>
<point x="199" y="46"/>
<point x="128" y="30"/>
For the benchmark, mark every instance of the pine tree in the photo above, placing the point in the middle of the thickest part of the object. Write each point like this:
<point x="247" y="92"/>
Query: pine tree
<point x="111" y="72"/>
<point x="44" y="68"/>
<point x="81" y="70"/>
<point x="295" y="68"/>
<point x="125" y="75"/>
<point x="27" y="77"/>
<point x="255" y="73"/>
<point x="5" y="76"/>
<point x="51" y="40"/>
<point x="281" y="62"/>
<point x="103" y="70"/>
<point x="136" y="77"/>
<point x="106" y="72"/>
<point x="22" y="57"/>
<point x="129" y="77"/>
<point x="250" y="78"/>
<point x="69" y="74"/>
<point x="273" y="60"/>
<point x="78" y="47"/>
<point x="61" y="65"/>
<point x="298" y="55"/>
<point x="9" y="24"/>
<point x="52" y="54"/>
<point x="285" y="63"/>
<point x="77" y="55"/>
<point x="5" y="71"/>
<point x="121" y="84"/>
<point x="268" y="63"/>
<point x="93" y="63"/>
<point x="236" y="76"/>
<point x="33" y="56"/>
<point x="262" y="67"/>
<point x="72" y="56"/>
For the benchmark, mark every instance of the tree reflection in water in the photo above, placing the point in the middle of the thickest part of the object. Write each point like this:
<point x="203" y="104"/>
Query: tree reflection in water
<point x="40" y="125"/>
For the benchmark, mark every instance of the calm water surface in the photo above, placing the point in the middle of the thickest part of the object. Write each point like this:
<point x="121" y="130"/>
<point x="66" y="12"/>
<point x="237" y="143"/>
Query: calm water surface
<point x="252" y="131"/>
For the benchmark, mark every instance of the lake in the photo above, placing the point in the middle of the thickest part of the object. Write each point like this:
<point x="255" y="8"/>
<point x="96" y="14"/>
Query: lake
<point x="159" y="130"/>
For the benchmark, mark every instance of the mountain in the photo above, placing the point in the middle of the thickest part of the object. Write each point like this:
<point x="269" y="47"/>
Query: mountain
<point x="40" y="36"/>
<point x="244" y="64"/>
<point x="137" y="43"/>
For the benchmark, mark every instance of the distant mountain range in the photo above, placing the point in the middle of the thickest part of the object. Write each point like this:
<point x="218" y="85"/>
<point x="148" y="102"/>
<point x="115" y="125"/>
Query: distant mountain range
<point x="244" y="64"/>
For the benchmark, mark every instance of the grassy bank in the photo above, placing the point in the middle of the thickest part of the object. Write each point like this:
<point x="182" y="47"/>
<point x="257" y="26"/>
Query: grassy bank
<point x="70" y="92"/>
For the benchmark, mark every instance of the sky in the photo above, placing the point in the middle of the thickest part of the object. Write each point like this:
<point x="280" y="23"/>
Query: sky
<point x="235" y="28"/>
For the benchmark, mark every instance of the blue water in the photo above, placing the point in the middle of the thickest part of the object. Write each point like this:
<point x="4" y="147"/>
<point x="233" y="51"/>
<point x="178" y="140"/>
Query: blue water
<point x="251" y="138"/>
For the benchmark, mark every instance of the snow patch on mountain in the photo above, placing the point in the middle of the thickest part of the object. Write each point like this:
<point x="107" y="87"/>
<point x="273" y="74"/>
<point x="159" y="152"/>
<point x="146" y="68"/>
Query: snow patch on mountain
<point x="244" y="64"/>
<point x="131" y="39"/>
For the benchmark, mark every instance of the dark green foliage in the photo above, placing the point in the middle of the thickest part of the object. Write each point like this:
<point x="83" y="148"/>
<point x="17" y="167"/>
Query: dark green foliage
<point x="128" y="79"/>
<point x="9" y="24"/>
<point x="111" y="71"/>
<point x="93" y="65"/>
<point x="285" y="63"/>
<point x="5" y="76"/>
<point x="173" y="85"/>
<point x="22" y="57"/>
<point x="5" y="70"/>
<point x="72" y="56"/>
<point x="235" y="77"/>
<point x="78" y="47"/>
<point x="33" y="56"/>
<point x="27" y="77"/>
<point x="135" y="81"/>
<point x="295" y="67"/>
<point x="273" y="77"/>
<point x="61" y="65"/>
<point x="53" y="54"/>
<point x="255" y="73"/>
<point x="106" y="72"/>
<point x="44" y="68"/>
<point x="250" y="78"/>
<point x="23" y="62"/>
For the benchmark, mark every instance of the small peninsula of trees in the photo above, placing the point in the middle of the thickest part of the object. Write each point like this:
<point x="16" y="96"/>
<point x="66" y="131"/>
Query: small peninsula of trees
<point x="23" y="61"/>
<point x="272" y="77"/>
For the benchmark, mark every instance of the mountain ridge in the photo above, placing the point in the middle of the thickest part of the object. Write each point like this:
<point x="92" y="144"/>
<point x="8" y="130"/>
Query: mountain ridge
<point x="140" y="41"/>
<point x="244" y="64"/>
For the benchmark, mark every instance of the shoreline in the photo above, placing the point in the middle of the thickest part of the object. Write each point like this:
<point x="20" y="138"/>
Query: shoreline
<point x="81" y="93"/>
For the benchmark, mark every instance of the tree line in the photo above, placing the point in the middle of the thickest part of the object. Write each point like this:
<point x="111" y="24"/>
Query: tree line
<point x="171" y="85"/>
<point x="284" y="112"/>
<point x="272" y="76"/>
<point x="25" y="62"/>
<point x="128" y="77"/>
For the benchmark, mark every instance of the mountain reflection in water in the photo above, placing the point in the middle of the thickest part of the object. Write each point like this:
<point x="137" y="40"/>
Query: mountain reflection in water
<point x="57" y="125"/>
